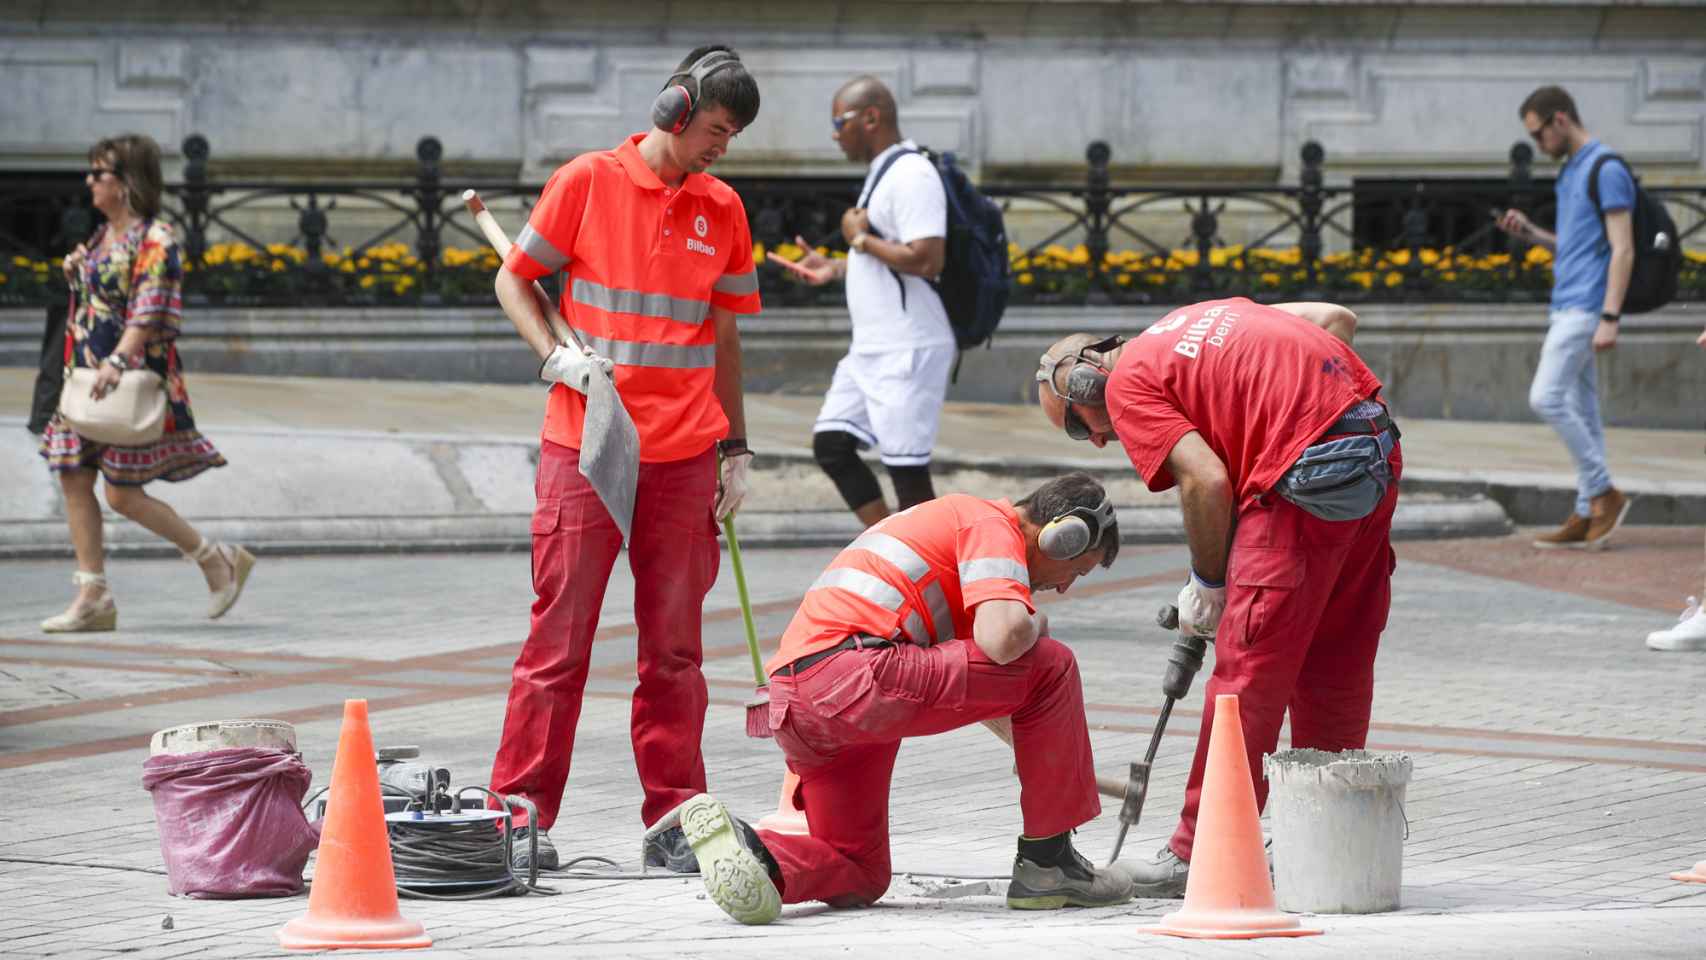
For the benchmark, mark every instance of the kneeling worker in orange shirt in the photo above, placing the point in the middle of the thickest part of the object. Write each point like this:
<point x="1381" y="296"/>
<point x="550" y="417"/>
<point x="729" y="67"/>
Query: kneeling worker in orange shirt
<point x="924" y="624"/>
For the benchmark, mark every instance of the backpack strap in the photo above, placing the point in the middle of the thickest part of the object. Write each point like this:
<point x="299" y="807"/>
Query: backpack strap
<point x="865" y="198"/>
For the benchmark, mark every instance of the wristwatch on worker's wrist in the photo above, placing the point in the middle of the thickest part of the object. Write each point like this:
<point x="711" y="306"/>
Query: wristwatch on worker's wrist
<point x="733" y="446"/>
<point x="1607" y="316"/>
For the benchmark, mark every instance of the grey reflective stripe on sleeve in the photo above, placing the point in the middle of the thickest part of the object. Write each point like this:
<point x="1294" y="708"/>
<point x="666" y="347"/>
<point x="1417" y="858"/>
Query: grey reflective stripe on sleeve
<point x="894" y="551"/>
<point x="941" y="618"/>
<point x="612" y="300"/>
<point x="862" y="584"/>
<point x="914" y="627"/>
<point x="738" y="284"/>
<point x="993" y="568"/>
<point x="540" y="249"/>
<point x="672" y="355"/>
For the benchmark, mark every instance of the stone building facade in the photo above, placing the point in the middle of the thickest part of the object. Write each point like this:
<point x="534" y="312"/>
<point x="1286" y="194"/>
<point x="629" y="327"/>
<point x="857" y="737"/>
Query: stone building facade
<point x="1181" y="91"/>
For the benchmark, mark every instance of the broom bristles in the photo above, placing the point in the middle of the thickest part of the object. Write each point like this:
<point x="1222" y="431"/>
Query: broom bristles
<point x="758" y="715"/>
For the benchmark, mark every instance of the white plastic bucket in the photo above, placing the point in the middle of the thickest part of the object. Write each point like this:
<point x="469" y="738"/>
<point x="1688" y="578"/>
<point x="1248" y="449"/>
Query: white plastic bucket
<point x="219" y="734"/>
<point x="1338" y="828"/>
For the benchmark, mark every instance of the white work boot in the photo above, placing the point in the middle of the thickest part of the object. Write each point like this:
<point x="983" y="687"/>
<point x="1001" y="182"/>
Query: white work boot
<point x="1688" y="634"/>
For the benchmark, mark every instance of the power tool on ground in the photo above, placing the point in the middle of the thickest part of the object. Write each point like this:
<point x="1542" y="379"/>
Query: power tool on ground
<point x="1182" y="666"/>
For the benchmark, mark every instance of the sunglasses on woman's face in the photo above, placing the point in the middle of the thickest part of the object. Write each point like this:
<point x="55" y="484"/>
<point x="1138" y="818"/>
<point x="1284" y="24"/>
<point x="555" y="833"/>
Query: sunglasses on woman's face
<point x="96" y="173"/>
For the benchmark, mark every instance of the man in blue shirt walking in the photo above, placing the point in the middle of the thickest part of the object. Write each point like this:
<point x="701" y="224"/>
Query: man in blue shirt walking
<point x="1593" y="257"/>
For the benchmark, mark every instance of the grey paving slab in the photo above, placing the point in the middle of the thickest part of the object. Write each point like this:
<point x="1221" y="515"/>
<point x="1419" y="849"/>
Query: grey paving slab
<point x="1548" y="835"/>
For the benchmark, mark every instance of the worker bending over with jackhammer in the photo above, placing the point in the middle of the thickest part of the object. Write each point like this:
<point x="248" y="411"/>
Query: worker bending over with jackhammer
<point x="924" y="624"/>
<point x="1287" y="465"/>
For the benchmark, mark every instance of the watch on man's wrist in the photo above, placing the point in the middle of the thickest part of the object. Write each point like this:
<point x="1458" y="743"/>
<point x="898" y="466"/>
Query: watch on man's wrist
<point x="733" y="446"/>
<point x="1607" y="316"/>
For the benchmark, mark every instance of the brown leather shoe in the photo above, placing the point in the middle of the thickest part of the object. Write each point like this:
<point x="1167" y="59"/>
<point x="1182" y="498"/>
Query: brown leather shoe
<point x="1605" y="515"/>
<point x="1573" y="535"/>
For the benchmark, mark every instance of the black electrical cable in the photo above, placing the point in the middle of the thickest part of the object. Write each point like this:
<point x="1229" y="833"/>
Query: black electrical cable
<point x="439" y="853"/>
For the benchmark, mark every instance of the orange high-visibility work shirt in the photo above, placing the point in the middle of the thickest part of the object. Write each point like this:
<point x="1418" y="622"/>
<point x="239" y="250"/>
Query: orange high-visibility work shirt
<point x="645" y="264"/>
<point x="916" y="577"/>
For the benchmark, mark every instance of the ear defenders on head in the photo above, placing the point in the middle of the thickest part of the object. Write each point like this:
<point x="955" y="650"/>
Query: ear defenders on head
<point x="678" y="100"/>
<point x="1075" y="532"/>
<point x="1087" y="380"/>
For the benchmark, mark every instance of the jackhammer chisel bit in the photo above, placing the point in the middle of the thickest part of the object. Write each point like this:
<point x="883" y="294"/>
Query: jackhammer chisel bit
<point x="1182" y="666"/>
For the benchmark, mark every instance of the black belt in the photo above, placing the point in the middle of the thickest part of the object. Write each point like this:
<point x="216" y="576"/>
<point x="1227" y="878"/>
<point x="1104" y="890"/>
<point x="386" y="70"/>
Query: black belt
<point x="856" y="642"/>
<point x="1378" y="424"/>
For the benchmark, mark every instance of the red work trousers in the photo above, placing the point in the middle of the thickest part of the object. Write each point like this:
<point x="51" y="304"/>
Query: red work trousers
<point x="1306" y="601"/>
<point x="840" y="723"/>
<point x="673" y="554"/>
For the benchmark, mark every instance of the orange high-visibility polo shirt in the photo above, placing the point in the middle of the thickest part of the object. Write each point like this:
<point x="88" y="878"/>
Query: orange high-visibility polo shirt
<point x="916" y="577"/>
<point x="645" y="263"/>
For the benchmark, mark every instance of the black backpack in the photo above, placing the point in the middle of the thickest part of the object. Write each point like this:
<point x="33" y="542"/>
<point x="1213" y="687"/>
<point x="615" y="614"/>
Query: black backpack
<point x="975" y="270"/>
<point x="1658" y="254"/>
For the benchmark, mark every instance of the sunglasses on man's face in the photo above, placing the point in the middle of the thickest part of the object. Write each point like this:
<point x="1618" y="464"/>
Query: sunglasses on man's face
<point x="1075" y="426"/>
<point x="1537" y="131"/>
<point x="841" y="121"/>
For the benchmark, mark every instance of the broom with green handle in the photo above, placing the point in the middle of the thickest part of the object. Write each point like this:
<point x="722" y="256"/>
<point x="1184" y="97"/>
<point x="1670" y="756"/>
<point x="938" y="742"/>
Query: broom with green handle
<point x="758" y="708"/>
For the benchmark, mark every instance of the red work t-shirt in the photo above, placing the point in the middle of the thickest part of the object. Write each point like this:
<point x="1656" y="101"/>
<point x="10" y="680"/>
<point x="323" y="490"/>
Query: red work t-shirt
<point x="1258" y="383"/>
<point x="645" y="265"/>
<point x="917" y="576"/>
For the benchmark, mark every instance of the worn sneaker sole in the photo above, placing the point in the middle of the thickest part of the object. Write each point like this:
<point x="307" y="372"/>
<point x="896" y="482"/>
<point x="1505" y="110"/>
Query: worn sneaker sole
<point x="733" y="877"/>
<point x="1020" y="898"/>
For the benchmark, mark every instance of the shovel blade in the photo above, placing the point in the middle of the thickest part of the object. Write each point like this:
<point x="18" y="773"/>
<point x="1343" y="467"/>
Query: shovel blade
<point x="610" y="452"/>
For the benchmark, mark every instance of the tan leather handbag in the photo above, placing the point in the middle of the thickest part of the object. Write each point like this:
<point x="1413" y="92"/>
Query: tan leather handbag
<point x="132" y="414"/>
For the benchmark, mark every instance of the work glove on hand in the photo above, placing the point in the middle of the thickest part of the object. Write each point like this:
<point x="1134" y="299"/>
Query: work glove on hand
<point x="732" y="482"/>
<point x="573" y="367"/>
<point x="1200" y="607"/>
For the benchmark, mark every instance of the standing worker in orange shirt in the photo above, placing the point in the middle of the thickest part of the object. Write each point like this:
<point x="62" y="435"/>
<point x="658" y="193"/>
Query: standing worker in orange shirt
<point x="924" y="624"/>
<point x="658" y="258"/>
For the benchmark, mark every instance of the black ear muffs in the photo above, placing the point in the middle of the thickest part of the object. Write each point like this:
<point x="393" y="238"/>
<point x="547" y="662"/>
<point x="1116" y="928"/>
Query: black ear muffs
<point x="1076" y="532"/>
<point x="679" y="99"/>
<point x="1087" y="380"/>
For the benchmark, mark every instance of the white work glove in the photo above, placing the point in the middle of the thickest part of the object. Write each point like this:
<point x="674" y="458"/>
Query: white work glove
<point x="573" y="367"/>
<point x="1200" y="607"/>
<point x="732" y="483"/>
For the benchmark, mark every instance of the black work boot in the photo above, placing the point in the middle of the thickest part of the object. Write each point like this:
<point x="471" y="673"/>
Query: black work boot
<point x="671" y="851"/>
<point x="521" y="857"/>
<point x="1049" y="874"/>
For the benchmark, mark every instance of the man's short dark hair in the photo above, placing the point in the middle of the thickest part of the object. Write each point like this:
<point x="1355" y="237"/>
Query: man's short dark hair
<point x="731" y="88"/>
<point x="1060" y="495"/>
<point x="1547" y="101"/>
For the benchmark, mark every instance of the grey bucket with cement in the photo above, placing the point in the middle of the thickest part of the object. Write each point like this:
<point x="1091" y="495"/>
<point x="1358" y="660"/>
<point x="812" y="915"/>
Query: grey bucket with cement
<point x="1338" y="828"/>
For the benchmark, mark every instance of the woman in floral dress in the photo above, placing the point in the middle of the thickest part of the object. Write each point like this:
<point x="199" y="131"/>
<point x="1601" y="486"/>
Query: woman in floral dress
<point x="126" y="311"/>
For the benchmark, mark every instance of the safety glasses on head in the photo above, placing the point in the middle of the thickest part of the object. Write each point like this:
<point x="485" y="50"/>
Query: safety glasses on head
<point x="1076" y="532"/>
<point x="1086" y="381"/>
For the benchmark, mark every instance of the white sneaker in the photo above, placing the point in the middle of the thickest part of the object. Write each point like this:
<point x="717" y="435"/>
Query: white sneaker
<point x="1688" y="634"/>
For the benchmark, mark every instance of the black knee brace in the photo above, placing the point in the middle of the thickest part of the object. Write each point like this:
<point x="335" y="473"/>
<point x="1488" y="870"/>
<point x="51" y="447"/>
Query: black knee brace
<point x="912" y="485"/>
<point x="837" y="452"/>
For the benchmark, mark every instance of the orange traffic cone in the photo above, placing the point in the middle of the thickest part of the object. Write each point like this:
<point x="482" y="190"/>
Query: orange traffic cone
<point x="1697" y="875"/>
<point x="353" y="902"/>
<point x="790" y="817"/>
<point x="1228" y="894"/>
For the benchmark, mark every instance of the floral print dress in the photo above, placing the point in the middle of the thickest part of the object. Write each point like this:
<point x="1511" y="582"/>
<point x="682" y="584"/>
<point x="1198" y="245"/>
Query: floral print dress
<point x="136" y="281"/>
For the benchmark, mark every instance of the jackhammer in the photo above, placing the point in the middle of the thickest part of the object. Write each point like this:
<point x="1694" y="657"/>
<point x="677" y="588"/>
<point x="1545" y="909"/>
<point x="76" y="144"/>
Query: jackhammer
<point x="1182" y="666"/>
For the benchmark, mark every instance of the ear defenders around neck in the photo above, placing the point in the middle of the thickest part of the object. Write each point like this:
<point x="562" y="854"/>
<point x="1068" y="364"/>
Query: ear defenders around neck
<point x="676" y="103"/>
<point x="1076" y="532"/>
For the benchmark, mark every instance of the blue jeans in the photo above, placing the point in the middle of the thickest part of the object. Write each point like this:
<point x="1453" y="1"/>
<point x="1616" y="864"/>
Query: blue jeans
<point x="1565" y="393"/>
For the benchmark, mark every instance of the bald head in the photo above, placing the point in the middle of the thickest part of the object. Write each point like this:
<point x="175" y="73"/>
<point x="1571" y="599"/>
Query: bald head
<point x="1072" y="403"/>
<point x="867" y="92"/>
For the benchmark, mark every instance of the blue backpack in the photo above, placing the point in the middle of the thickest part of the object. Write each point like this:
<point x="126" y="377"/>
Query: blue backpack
<point x="975" y="270"/>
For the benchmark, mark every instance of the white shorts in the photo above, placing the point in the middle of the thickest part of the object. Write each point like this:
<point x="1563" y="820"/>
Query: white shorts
<point x="890" y="400"/>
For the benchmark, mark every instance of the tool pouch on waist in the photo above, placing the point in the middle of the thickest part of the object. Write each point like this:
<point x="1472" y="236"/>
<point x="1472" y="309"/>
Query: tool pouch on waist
<point x="1343" y="479"/>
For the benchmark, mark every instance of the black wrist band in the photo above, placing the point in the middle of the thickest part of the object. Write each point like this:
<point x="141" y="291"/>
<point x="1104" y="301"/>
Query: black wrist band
<point x="732" y="446"/>
<point x="1609" y="317"/>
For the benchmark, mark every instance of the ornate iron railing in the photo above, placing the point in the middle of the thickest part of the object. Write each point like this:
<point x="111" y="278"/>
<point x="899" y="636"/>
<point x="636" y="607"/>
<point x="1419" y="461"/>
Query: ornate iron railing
<point x="1095" y="243"/>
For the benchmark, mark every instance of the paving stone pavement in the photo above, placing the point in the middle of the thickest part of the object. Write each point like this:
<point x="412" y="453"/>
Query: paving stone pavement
<point x="1560" y="768"/>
